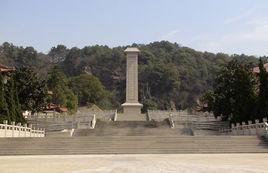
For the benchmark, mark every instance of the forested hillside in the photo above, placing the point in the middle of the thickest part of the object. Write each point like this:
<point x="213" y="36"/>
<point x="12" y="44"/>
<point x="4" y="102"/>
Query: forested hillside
<point x="170" y="76"/>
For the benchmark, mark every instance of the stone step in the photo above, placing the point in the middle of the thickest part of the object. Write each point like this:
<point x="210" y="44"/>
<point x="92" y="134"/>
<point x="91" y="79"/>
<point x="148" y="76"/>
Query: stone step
<point x="132" y="145"/>
<point x="128" y="128"/>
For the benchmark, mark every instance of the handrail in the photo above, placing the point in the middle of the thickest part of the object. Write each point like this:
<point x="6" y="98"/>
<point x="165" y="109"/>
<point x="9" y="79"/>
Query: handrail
<point x="246" y="129"/>
<point x="11" y="130"/>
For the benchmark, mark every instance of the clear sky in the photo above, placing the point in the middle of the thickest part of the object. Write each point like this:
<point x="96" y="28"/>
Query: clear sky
<point x="230" y="26"/>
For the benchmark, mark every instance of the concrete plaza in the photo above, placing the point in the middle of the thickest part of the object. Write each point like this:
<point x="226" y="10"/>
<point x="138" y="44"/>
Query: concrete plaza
<point x="150" y="163"/>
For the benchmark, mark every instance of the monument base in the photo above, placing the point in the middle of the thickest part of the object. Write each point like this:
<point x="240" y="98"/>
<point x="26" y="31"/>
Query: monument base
<point x="132" y="112"/>
<point x="132" y="108"/>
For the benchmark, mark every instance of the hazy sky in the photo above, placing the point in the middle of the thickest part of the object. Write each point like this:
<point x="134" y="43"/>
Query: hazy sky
<point x="230" y="26"/>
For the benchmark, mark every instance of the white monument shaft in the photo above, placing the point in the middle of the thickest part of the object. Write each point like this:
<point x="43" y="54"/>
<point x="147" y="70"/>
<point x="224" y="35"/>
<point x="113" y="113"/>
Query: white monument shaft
<point x="132" y="79"/>
<point x="132" y="105"/>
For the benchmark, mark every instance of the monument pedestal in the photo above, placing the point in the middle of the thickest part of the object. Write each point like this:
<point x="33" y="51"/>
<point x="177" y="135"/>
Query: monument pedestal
<point x="132" y="112"/>
<point x="132" y="108"/>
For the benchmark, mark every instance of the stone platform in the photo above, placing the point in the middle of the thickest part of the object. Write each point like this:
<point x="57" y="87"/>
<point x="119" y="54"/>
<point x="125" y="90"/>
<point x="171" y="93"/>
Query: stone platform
<point x="129" y="128"/>
<point x="157" y="163"/>
<point x="131" y="117"/>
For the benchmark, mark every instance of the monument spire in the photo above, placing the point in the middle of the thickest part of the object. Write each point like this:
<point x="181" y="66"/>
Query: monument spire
<point x="132" y="105"/>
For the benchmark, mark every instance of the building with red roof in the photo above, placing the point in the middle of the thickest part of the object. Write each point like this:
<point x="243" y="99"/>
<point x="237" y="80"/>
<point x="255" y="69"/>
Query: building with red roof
<point x="5" y="69"/>
<point x="57" y="108"/>
<point x="256" y="70"/>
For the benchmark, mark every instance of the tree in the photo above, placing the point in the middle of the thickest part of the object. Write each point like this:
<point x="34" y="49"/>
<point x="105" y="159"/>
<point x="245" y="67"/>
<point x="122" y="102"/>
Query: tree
<point x="58" y="54"/>
<point x="10" y="99"/>
<point x="209" y="99"/>
<point x="4" y="112"/>
<point x="72" y="62"/>
<point x="32" y="90"/>
<point x="27" y="57"/>
<point x="15" y="113"/>
<point x="149" y="104"/>
<point x="158" y="81"/>
<point x="235" y="92"/>
<point x="58" y="83"/>
<point x="18" y="110"/>
<point x="263" y="92"/>
<point x="88" y="89"/>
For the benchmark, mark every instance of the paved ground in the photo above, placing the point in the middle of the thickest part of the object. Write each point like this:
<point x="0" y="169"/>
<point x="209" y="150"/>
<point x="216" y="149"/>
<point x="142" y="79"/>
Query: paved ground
<point x="179" y="163"/>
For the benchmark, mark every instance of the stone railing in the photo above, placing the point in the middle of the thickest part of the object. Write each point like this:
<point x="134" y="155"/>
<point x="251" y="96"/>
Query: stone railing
<point x="19" y="130"/>
<point x="180" y="116"/>
<point x="51" y="115"/>
<point x="160" y="115"/>
<point x="259" y="129"/>
<point x="50" y="118"/>
<point x="104" y="115"/>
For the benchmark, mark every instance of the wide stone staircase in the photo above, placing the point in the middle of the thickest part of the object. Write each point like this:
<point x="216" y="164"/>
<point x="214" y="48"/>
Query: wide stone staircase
<point x="129" y="128"/>
<point x="135" y="137"/>
<point x="208" y="127"/>
<point x="132" y="145"/>
<point x="53" y="125"/>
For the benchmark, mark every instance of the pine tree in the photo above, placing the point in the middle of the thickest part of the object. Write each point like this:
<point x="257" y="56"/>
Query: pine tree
<point x="10" y="100"/>
<point x="32" y="90"/>
<point x="4" y="113"/>
<point x="18" y="110"/>
<point x="235" y="92"/>
<point x="263" y="92"/>
<point x="15" y="113"/>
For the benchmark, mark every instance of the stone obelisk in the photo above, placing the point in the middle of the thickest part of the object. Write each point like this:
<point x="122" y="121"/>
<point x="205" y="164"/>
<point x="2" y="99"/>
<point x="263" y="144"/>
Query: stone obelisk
<point x="132" y="105"/>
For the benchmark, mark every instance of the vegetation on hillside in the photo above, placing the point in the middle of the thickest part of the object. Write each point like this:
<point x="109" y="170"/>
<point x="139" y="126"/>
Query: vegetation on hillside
<point x="170" y="76"/>
<point x="62" y="94"/>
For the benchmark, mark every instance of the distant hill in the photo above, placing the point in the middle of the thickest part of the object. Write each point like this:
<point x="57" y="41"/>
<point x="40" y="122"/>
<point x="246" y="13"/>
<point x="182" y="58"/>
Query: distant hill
<point x="170" y="76"/>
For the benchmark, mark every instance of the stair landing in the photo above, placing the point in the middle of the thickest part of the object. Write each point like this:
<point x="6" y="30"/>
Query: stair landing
<point x="131" y="117"/>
